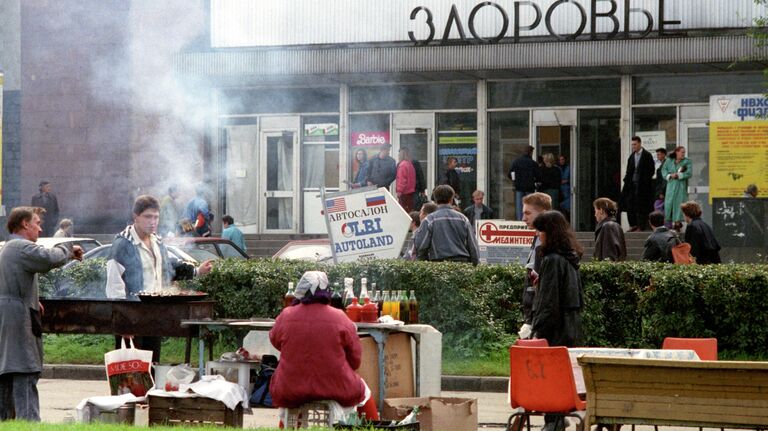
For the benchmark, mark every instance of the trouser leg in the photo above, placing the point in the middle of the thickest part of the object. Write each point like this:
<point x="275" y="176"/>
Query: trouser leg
<point x="25" y="397"/>
<point x="6" y="398"/>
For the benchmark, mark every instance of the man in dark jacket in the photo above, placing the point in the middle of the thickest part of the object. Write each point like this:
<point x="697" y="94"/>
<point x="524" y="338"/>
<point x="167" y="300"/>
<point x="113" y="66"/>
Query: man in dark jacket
<point x="638" y="191"/>
<point x="478" y="210"/>
<point x="658" y="246"/>
<point x="47" y="200"/>
<point x="451" y="178"/>
<point x="524" y="173"/>
<point x="139" y="262"/>
<point x="446" y="235"/>
<point x="382" y="169"/>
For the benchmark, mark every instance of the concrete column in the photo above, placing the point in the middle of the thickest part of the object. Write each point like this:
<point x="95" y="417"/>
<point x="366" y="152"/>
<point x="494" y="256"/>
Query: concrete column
<point x="482" y="138"/>
<point x="343" y="134"/>
<point x="625" y="130"/>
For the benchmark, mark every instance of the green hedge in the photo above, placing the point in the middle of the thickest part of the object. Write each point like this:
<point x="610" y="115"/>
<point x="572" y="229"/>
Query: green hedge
<point x="634" y="304"/>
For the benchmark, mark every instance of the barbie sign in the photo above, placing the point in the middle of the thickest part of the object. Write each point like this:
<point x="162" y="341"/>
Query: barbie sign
<point x="369" y="139"/>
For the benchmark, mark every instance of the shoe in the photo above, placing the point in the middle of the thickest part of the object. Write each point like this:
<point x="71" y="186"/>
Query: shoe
<point x="550" y="426"/>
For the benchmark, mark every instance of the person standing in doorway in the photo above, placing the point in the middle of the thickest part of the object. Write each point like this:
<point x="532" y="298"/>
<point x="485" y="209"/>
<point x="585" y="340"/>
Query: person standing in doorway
<point x="232" y="232"/>
<point x="637" y="194"/>
<point x="47" y="201"/>
<point x="524" y="173"/>
<point x="565" y="186"/>
<point x="551" y="177"/>
<point x="609" y="237"/>
<point x="382" y="169"/>
<point x="677" y="170"/>
<point x="451" y="178"/>
<point x="660" y="185"/>
<point x="21" y="343"/>
<point x="406" y="180"/>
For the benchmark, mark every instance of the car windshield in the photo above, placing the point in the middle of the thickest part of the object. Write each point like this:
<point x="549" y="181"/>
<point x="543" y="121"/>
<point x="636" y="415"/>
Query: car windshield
<point x="228" y="250"/>
<point x="202" y="251"/>
<point x="87" y="245"/>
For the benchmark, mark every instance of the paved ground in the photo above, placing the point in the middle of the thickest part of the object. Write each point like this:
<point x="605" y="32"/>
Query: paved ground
<point x="58" y="398"/>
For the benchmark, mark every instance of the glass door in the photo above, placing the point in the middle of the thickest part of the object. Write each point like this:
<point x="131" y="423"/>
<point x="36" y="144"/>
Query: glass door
<point x="241" y="197"/>
<point x="279" y="180"/>
<point x="417" y="142"/>
<point x="695" y="138"/>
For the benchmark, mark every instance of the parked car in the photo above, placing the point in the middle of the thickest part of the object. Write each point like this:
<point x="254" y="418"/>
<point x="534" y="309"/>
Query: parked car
<point x="315" y="250"/>
<point x="87" y="244"/>
<point x="205" y="248"/>
<point x="102" y="251"/>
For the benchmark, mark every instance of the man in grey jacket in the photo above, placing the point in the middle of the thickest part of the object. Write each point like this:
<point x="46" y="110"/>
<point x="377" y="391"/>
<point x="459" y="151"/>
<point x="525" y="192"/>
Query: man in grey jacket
<point x="658" y="246"/>
<point x="21" y="344"/>
<point x="446" y="234"/>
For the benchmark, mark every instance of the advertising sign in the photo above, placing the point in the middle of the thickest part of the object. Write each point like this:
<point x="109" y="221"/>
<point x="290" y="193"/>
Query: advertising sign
<point x="503" y="241"/>
<point x="654" y="140"/>
<point x="369" y="139"/>
<point x="365" y="224"/>
<point x="738" y="144"/>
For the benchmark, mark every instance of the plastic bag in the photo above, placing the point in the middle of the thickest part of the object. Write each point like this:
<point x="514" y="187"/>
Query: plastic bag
<point x="128" y="370"/>
<point x="179" y="375"/>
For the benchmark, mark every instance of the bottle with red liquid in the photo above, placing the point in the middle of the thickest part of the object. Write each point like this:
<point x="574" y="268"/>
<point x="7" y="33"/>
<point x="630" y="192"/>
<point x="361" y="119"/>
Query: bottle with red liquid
<point x="370" y="311"/>
<point x="354" y="310"/>
<point x="289" y="295"/>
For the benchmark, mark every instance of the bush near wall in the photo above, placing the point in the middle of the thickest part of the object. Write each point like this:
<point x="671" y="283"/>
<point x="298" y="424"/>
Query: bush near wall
<point x="631" y="304"/>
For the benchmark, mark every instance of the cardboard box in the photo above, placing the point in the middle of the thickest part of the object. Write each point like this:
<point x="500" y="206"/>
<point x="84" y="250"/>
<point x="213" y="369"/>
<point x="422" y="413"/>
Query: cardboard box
<point x="398" y="366"/>
<point x="435" y="413"/>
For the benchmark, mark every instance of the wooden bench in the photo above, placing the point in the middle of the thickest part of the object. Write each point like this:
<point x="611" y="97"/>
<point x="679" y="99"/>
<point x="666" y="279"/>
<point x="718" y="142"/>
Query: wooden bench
<point x="718" y="394"/>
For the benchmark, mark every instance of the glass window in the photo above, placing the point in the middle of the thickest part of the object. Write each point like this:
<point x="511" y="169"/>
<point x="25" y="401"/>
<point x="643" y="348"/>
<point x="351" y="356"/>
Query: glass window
<point x="508" y="134"/>
<point x="693" y="88"/>
<point x="657" y="119"/>
<point x="457" y="139"/>
<point x="201" y="251"/>
<point x="366" y="134"/>
<point x="279" y="100"/>
<point x="227" y="250"/>
<point x="413" y="97"/>
<point x="530" y="93"/>
<point x="320" y="152"/>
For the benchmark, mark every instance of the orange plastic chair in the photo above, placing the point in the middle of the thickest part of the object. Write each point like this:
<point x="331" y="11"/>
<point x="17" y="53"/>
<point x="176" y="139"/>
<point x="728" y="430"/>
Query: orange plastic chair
<point x="535" y="342"/>
<point x="541" y="382"/>
<point x="706" y="348"/>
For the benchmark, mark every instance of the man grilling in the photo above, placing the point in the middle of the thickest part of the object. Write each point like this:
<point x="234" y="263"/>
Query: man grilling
<point x="139" y="262"/>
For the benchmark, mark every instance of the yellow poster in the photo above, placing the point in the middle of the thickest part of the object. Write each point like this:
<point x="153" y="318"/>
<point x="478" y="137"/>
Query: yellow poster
<point x="738" y="145"/>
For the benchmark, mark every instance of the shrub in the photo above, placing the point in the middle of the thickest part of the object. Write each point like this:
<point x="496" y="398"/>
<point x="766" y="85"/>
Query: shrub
<point x="630" y="304"/>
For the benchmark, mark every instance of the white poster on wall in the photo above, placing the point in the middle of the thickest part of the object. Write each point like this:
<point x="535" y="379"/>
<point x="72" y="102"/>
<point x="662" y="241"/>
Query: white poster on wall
<point x="653" y="140"/>
<point x="365" y="224"/>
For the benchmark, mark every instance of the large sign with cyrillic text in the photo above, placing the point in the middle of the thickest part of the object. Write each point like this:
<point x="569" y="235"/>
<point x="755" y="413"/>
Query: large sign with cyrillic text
<point x="241" y="23"/>
<point x="368" y="224"/>
<point x="503" y="241"/>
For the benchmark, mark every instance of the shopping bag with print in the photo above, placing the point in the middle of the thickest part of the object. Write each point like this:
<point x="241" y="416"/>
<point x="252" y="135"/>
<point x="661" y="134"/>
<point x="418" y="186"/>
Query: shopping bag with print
<point x="128" y="370"/>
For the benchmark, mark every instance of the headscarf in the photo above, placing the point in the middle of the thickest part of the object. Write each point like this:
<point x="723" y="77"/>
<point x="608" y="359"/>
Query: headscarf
<point x="312" y="288"/>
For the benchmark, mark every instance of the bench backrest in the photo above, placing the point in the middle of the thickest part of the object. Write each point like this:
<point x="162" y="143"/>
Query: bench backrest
<point x="669" y="392"/>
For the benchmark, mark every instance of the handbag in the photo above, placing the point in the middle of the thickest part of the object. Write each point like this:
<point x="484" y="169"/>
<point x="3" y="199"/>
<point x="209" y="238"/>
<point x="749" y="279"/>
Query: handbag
<point x="128" y="370"/>
<point x="681" y="254"/>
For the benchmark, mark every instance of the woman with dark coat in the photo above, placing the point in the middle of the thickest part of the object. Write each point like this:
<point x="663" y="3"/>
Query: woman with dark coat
<point x="559" y="296"/>
<point x="609" y="238"/>
<point x="701" y="237"/>
<point x="551" y="178"/>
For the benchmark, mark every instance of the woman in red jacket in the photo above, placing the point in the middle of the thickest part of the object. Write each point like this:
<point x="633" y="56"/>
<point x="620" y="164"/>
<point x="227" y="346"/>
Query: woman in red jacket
<point x="406" y="180"/>
<point x="319" y="351"/>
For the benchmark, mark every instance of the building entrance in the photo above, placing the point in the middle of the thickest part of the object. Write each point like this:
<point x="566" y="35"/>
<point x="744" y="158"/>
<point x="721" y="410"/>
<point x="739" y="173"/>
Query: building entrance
<point x="279" y="179"/>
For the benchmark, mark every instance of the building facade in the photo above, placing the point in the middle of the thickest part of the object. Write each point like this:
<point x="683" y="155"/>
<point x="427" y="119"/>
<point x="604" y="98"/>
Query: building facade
<point x="301" y="88"/>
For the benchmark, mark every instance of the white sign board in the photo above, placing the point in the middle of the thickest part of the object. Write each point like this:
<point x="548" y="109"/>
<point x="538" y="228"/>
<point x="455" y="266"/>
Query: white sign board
<point x="367" y="224"/>
<point x="740" y="107"/>
<point x="503" y="241"/>
<point x="654" y="140"/>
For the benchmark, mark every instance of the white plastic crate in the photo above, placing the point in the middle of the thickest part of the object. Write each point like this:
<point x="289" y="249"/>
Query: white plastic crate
<point x="314" y="414"/>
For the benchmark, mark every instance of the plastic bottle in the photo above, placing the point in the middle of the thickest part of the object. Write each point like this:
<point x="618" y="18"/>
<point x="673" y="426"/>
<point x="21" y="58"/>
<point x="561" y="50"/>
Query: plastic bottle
<point x="289" y="295"/>
<point x="354" y="310"/>
<point x="403" y="303"/>
<point x="413" y="309"/>
<point x="378" y="299"/>
<point x="385" y="304"/>
<point x="370" y="313"/>
<point x="337" y="301"/>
